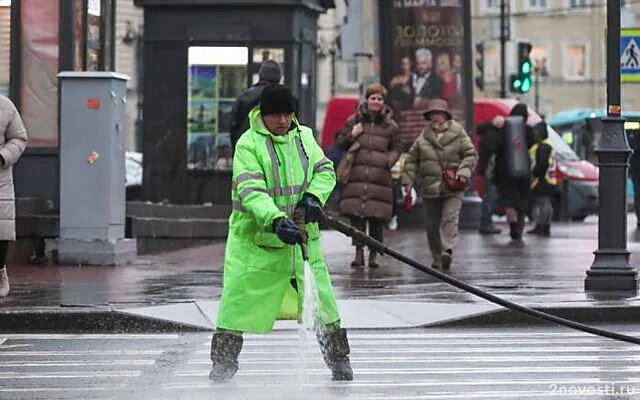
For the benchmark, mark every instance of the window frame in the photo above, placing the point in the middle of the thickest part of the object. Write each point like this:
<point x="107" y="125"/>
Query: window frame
<point x="485" y="8"/>
<point x="565" y="60"/>
<point x="548" y="46"/>
<point x="586" y="8"/>
<point x="496" y="78"/>
<point x="529" y="7"/>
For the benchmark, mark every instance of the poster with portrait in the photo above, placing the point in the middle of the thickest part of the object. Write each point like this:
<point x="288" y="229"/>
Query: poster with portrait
<point x="427" y="56"/>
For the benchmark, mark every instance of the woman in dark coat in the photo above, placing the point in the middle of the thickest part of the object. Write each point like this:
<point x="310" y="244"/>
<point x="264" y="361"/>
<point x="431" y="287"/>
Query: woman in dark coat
<point x="367" y="196"/>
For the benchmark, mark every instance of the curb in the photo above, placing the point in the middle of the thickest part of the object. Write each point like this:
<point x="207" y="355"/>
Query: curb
<point x="584" y="315"/>
<point x="107" y="320"/>
<point x="103" y="320"/>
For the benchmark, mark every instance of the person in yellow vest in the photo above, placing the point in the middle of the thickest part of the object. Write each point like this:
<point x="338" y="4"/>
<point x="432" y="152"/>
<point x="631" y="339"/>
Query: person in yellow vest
<point x="543" y="180"/>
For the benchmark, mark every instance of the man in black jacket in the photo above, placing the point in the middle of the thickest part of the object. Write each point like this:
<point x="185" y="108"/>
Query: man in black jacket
<point x="490" y="134"/>
<point x="269" y="73"/>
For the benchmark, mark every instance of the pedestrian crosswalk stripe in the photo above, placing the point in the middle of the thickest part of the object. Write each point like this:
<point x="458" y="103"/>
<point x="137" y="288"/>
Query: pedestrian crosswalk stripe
<point x="83" y="363"/>
<point x="80" y="353"/>
<point x="70" y="375"/>
<point x="425" y="370"/>
<point x="84" y="388"/>
<point x="90" y="336"/>
<point x="468" y="335"/>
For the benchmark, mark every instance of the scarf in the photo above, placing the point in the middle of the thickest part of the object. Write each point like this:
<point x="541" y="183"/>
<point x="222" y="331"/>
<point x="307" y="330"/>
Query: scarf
<point x="441" y="128"/>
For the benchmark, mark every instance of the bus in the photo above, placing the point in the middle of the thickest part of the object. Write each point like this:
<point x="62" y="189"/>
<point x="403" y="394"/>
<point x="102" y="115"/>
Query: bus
<point x="581" y="128"/>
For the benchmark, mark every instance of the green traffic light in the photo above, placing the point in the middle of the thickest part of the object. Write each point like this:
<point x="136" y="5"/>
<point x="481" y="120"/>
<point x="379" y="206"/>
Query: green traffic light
<point x="526" y="67"/>
<point x="526" y="85"/>
<point x="517" y="83"/>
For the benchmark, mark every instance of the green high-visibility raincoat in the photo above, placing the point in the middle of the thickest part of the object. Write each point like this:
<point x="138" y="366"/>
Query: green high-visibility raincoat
<point x="270" y="175"/>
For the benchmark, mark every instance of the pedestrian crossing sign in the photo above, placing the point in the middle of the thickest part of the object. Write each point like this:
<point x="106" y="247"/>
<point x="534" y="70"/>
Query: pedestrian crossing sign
<point x="630" y="55"/>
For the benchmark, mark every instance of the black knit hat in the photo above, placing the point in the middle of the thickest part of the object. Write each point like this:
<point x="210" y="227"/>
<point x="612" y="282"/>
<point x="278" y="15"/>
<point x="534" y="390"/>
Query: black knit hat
<point x="277" y="99"/>
<point x="521" y="110"/>
<point x="270" y="71"/>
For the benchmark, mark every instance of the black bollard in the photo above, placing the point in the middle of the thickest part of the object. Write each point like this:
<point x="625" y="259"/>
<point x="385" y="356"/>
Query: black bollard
<point x="611" y="271"/>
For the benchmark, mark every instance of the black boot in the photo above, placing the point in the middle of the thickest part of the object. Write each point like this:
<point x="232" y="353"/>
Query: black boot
<point x="537" y="230"/>
<point x="372" y="259"/>
<point x="335" y="350"/>
<point x="489" y="230"/>
<point x="514" y="231"/>
<point x="359" y="260"/>
<point x="225" y="349"/>
<point x="546" y="230"/>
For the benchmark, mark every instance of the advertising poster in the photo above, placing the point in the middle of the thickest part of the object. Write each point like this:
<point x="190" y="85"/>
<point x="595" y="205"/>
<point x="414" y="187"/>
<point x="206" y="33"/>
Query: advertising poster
<point x="202" y="116"/>
<point x="427" y="56"/>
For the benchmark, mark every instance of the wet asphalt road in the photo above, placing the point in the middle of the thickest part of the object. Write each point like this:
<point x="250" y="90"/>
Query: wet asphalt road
<point x="549" y="363"/>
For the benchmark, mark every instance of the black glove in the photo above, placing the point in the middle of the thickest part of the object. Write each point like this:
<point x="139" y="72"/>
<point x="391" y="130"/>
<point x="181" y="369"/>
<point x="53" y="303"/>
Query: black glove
<point x="287" y="231"/>
<point x="312" y="207"/>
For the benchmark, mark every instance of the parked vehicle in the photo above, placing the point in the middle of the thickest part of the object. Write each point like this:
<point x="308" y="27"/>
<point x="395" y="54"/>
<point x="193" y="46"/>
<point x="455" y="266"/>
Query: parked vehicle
<point x="133" y="170"/>
<point x="338" y="110"/>
<point x="577" y="191"/>
<point x="573" y="124"/>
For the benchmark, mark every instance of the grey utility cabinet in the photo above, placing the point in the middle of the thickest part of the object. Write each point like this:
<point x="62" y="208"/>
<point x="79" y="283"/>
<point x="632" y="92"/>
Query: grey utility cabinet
<point x="92" y="169"/>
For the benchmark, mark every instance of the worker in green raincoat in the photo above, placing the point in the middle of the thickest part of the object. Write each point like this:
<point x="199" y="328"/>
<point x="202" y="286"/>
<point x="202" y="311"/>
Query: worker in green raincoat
<point x="277" y="167"/>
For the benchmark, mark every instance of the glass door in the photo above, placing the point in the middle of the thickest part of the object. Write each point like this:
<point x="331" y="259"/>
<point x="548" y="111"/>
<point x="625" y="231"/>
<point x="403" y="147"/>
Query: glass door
<point x="217" y="76"/>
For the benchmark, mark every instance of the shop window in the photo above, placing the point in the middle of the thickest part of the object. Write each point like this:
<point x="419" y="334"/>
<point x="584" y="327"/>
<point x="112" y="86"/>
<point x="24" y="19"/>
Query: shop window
<point x="217" y="75"/>
<point x="5" y="45"/>
<point x="261" y="55"/>
<point x="94" y="26"/>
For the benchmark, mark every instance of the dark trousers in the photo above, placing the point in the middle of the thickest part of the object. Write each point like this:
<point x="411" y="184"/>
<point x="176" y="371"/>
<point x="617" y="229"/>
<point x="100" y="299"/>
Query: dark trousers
<point x="397" y="194"/>
<point x="489" y="198"/>
<point x="4" y="246"/>
<point x="375" y="228"/>
<point x="542" y="210"/>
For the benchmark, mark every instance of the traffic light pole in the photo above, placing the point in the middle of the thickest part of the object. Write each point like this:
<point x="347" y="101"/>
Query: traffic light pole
<point x="537" y="89"/>
<point x="611" y="270"/>
<point x="503" y="50"/>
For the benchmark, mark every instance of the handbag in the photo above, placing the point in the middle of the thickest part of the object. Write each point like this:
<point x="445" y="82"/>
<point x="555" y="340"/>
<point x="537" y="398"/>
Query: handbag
<point x="449" y="176"/>
<point x="344" y="167"/>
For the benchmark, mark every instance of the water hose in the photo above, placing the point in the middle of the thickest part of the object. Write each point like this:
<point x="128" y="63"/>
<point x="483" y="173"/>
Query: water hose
<point x="361" y="237"/>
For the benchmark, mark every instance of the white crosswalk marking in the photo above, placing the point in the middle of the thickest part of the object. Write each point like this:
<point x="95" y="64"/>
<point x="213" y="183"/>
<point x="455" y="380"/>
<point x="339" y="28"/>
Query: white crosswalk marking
<point x="444" y="364"/>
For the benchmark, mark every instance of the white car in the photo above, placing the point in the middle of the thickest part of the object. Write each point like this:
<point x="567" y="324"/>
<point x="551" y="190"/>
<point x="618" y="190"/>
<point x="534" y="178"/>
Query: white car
<point x="133" y="166"/>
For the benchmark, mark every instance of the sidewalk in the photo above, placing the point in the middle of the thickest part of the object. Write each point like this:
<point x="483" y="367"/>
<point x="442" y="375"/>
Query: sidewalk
<point x="179" y="290"/>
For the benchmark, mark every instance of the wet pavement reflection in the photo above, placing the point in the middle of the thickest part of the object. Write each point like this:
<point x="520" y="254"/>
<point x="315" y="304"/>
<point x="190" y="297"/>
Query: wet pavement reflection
<point x="542" y="270"/>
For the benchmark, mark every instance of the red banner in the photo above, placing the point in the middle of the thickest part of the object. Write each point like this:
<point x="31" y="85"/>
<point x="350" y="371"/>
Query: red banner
<point x="427" y="56"/>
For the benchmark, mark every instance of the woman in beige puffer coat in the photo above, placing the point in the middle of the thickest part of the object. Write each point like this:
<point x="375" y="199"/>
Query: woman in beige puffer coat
<point x="442" y="140"/>
<point x="13" y="141"/>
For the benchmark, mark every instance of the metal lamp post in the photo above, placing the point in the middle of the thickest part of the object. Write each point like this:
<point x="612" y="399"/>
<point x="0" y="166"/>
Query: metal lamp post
<point x="611" y="270"/>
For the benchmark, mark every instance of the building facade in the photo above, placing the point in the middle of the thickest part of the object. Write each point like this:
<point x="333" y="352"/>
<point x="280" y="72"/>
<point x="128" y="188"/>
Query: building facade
<point x="348" y="51"/>
<point x="568" y="40"/>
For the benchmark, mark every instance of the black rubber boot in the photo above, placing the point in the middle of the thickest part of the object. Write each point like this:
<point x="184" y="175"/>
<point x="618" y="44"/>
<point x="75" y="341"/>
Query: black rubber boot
<point x="537" y="230"/>
<point x="359" y="260"/>
<point x="546" y="230"/>
<point x="335" y="350"/>
<point x="225" y="349"/>
<point x="514" y="231"/>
